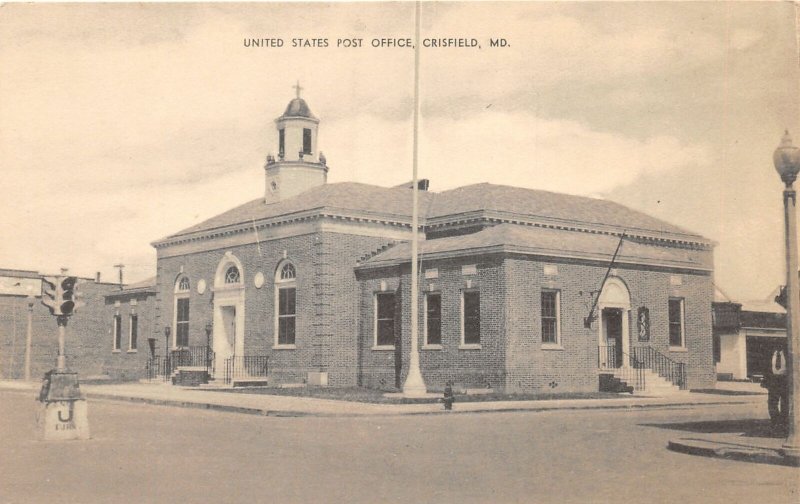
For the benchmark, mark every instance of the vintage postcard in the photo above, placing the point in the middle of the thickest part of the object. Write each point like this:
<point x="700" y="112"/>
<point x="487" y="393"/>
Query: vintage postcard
<point x="372" y="252"/>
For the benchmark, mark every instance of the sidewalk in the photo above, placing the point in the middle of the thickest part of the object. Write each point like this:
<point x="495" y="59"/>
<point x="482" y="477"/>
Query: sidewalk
<point x="744" y="446"/>
<point x="274" y="405"/>
<point x="744" y="440"/>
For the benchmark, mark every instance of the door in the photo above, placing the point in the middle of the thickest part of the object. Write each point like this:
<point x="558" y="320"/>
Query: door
<point x="225" y="337"/>
<point x="612" y="323"/>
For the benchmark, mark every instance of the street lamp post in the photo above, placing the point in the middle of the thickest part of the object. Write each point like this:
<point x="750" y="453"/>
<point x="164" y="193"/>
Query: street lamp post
<point x="787" y="162"/>
<point x="209" y="328"/>
<point x="167" y="331"/>
<point x="28" y="338"/>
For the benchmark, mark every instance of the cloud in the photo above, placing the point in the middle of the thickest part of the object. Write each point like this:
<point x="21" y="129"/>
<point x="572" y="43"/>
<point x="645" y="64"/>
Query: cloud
<point x="521" y="149"/>
<point x="550" y="49"/>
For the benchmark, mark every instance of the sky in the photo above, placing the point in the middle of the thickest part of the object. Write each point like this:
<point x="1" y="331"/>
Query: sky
<point x="123" y="123"/>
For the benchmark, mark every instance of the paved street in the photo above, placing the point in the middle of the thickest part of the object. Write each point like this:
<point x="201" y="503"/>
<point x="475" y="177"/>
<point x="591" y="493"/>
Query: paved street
<point x="147" y="453"/>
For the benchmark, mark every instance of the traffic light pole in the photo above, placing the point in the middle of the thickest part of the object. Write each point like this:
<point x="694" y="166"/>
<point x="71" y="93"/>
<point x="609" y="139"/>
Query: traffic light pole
<point x="61" y="360"/>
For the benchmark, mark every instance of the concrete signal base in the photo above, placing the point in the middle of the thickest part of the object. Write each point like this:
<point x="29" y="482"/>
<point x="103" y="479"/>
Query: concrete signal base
<point x="64" y="412"/>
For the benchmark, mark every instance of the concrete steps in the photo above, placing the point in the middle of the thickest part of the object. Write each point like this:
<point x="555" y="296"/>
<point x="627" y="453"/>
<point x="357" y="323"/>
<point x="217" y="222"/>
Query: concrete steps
<point x="611" y="383"/>
<point x="655" y="384"/>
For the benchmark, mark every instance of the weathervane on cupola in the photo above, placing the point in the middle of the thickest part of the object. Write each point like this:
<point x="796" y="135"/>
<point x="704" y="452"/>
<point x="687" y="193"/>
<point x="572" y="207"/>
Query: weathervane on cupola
<point x="299" y="166"/>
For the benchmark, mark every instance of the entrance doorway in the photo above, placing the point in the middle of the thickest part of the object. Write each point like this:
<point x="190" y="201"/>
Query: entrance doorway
<point x="225" y="338"/>
<point x="612" y="329"/>
<point x="613" y="335"/>
<point x="229" y="313"/>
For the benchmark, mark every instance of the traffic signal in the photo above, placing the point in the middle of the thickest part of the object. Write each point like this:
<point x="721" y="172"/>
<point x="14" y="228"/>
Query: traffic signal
<point x="67" y="295"/>
<point x="77" y="296"/>
<point x="51" y="295"/>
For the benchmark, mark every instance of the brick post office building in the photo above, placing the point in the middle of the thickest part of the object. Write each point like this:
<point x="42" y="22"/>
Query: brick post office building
<point x="311" y="284"/>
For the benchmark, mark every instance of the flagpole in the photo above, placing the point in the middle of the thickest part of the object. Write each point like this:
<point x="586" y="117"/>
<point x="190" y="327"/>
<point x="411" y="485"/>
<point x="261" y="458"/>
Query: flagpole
<point x="415" y="384"/>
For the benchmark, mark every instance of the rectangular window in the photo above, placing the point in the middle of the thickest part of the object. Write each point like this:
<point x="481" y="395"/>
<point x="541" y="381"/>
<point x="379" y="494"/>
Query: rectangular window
<point x="117" y="328"/>
<point x="676" y="322"/>
<point x="306" y="141"/>
<point x="471" y="317"/>
<point x="134" y="323"/>
<point x="281" y="142"/>
<point x="551" y="326"/>
<point x="433" y="319"/>
<point x="384" y="319"/>
<point x="287" y="311"/>
<point x="182" y="323"/>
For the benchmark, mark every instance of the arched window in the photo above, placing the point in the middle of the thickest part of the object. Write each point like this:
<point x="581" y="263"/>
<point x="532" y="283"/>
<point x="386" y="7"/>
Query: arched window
<point x="182" y="285"/>
<point x="288" y="272"/>
<point x="232" y="275"/>
<point x="286" y="304"/>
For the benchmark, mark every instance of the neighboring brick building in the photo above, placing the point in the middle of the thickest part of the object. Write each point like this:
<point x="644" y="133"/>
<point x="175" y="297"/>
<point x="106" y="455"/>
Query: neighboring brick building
<point x="20" y="291"/>
<point x="315" y="277"/>
<point x="129" y="324"/>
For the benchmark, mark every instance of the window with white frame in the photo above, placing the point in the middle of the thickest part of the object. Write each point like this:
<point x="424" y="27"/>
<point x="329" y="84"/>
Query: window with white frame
<point x="384" y="319"/>
<point x="182" y="323"/>
<point x="676" y="325"/>
<point x="470" y="317"/>
<point x="288" y="272"/>
<point x="433" y="318"/>
<point x="181" y="330"/>
<point x="550" y="312"/>
<point x="286" y="302"/>
<point x="133" y="323"/>
<point x="117" y="332"/>
<point x="232" y="275"/>
<point x="183" y="285"/>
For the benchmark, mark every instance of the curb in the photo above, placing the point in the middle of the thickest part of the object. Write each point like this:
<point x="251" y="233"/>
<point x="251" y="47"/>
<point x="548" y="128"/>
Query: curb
<point x="297" y="413"/>
<point x="729" y="451"/>
<point x="293" y="413"/>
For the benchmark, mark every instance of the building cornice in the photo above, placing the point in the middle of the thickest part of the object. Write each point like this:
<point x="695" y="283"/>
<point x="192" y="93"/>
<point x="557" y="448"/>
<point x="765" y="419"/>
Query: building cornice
<point x="466" y="219"/>
<point x="307" y="216"/>
<point x="132" y="292"/>
<point x="311" y="165"/>
<point x="544" y="253"/>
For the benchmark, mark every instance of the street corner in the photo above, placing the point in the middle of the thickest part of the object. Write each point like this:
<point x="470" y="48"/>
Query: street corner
<point x="717" y="448"/>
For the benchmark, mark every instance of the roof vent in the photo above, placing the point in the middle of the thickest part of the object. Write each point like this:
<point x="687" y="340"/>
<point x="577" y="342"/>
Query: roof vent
<point x="422" y="185"/>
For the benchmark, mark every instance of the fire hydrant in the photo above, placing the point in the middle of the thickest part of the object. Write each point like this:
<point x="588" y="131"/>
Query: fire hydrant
<point x="449" y="398"/>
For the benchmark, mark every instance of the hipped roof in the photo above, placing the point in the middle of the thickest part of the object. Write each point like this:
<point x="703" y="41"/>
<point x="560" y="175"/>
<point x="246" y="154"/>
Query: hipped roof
<point x="487" y="201"/>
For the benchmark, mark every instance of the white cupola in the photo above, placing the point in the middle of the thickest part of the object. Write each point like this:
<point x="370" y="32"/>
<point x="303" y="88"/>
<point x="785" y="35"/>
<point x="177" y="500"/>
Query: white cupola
<point x="299" y="165"/>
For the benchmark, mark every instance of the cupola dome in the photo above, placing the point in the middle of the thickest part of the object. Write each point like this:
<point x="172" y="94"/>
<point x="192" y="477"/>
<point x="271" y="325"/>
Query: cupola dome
<point x="298" y="108"/>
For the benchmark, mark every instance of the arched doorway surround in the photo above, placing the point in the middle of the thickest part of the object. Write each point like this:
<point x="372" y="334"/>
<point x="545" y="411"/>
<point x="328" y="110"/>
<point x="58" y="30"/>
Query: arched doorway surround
<point x="614" y="306"/>
<point x="228" y="336"/>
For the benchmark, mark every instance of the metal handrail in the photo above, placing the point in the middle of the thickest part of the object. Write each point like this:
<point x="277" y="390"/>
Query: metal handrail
<point x="665" y="367"/>
<point x="633" y="373"/>
<point x="246" y="366"/>
<point x="195" y="356"/>
<point x="198" y="356"/>
<point x="157" y="368"/>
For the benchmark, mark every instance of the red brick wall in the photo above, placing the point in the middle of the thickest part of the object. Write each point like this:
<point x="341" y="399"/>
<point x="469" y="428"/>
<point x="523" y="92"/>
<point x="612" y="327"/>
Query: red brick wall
<point x="532" y="368"/>
<point x="473" y="368"/>
<point x="127" y="364"/>
<point x="85" y="344"/>
<point x="512" y="356"/>
<point x="337" y="303"/>
<point x="326" y="301"/>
